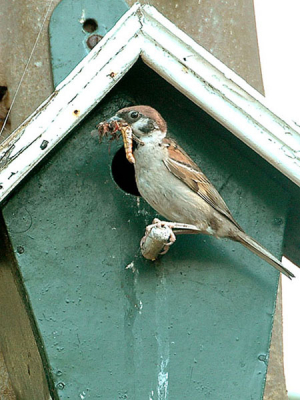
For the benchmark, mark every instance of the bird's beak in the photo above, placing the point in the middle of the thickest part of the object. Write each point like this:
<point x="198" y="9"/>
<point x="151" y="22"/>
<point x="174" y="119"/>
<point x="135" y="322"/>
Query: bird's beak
<point x="109" y="121"/>
<point x="114" y="119"/>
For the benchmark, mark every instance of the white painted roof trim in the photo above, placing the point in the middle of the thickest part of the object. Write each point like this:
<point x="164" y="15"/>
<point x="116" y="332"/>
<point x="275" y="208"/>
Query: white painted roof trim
<point x="144" y="32"/>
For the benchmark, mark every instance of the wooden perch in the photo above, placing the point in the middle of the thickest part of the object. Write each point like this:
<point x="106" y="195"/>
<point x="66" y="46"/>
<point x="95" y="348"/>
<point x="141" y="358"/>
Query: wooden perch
<point x="159" y="236"/>
<point x="154" y="241"/>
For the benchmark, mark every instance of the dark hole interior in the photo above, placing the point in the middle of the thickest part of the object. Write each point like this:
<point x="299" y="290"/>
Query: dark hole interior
<point x="123" y="173"/>
<point x="90" y="25"/>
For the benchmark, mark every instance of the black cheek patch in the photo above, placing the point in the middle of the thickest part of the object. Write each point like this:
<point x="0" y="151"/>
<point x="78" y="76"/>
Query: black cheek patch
<point x="149" y="127"/>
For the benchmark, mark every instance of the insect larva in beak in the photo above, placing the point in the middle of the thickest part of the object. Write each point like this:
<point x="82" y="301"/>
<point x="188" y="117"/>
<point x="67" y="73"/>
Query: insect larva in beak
<point x="127" y="139"/>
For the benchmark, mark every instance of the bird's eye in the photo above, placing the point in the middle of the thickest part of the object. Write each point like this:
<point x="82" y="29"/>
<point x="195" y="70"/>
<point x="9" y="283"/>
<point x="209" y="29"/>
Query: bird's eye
<point x="134" y="114"/>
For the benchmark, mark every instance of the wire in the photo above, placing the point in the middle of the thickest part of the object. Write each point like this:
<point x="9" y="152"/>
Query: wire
<point x="26" y="67"/>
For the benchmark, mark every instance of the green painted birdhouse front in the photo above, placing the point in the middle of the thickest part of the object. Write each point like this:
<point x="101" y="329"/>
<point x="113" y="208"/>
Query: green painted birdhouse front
<point x="196" y="323"/>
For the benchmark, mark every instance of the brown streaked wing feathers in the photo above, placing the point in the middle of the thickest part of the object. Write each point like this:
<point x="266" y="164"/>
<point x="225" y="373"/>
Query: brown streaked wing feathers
<point x="184" y="168"/>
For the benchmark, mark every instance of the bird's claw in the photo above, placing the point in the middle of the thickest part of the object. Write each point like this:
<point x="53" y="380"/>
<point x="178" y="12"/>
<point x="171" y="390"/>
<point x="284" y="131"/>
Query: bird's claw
<point x="160" y="224"/>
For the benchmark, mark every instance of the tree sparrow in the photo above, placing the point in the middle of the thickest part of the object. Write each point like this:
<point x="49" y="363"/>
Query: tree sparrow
<point x="169" y="180"/>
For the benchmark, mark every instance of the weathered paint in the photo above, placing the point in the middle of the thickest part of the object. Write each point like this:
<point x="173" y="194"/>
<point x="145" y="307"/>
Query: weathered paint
<point x="73" y="35"/>
<point x="18" y="341"/>
<point x="195" y="324"/>
<point x="225" y="28"/>
<point x="191" y="69"/>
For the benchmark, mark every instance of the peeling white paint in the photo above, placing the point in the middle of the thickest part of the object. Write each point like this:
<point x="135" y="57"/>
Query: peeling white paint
<point x="140" y="306"/>
<point x="131" y="266"/>
<point x="83" y="16"/>
<point x="162" y="337"/>
<point x="163" y="381"/>
<point x="82" y="395"/>
<point x="143" y="32"/>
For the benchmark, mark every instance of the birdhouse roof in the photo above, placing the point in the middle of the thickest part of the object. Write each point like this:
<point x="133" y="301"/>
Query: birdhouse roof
<point x="144" y="33"/>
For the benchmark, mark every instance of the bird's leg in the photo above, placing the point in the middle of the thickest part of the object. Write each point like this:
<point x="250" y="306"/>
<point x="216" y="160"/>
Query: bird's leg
<point x="169" y="228"/>
<point x="179" y="227"/>
<point x="137" y="140"/>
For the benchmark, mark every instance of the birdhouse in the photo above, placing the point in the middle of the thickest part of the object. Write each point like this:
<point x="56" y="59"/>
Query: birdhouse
<point x="109" y="324"/>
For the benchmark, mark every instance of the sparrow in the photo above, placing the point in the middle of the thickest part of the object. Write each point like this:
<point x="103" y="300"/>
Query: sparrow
<point x="173" y="184"/>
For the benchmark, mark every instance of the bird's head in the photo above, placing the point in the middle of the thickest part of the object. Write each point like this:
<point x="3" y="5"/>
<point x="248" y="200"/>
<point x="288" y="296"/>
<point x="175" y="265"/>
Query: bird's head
<point x="145" y="121"/>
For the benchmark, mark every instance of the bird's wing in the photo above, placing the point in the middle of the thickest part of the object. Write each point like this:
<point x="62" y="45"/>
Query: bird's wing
<point x="184" y="168"/>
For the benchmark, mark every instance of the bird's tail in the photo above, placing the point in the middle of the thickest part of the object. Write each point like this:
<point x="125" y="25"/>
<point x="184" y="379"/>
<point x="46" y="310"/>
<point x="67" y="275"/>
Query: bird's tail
<point x="263" y="253"/>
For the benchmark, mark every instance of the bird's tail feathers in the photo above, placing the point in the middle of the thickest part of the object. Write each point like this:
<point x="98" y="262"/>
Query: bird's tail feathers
<point x="263" y="253"/>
